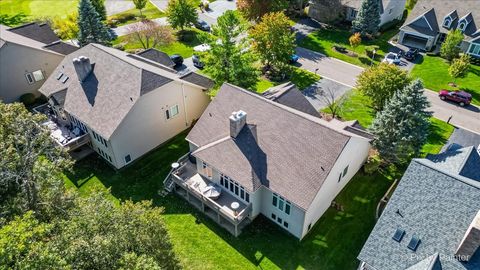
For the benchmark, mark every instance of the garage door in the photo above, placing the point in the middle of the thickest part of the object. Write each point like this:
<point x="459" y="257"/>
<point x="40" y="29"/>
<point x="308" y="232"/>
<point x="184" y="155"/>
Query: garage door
<point x="414" y="41"/>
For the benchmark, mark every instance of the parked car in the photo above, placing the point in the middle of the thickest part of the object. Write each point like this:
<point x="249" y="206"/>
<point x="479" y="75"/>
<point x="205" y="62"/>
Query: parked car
<point x="196" y="61"/>
<point x="202" y="48"/>
<point x="177" y="59"/>
<point x="411" y="54"/>
<point x="294" y="58"/>
<point x="392" y="58"/>
<point x="202" y="25"/>
<point x="461" y="97"/>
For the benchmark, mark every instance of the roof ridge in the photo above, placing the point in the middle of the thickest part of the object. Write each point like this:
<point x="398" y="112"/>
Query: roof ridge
<point x="301" y="114"/>
<point x="208" y="145"/>
<point x="101" y="47"/>
<point x="21" y="26"/>
<point x="427" y="163"/>
<point x="469" y="152"/>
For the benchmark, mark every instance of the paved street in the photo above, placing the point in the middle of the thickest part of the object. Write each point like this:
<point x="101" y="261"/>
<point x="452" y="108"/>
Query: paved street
<point x="117" y="6"/>
<point x="216" y="9"/>
<point x="345" y="73"/>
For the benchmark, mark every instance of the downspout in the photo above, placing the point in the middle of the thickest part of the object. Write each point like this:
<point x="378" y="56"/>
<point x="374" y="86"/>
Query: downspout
<point x="184" y="104"/>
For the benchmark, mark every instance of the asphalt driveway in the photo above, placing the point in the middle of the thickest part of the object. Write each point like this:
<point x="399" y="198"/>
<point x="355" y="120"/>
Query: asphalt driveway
<point x="322" y="92"/>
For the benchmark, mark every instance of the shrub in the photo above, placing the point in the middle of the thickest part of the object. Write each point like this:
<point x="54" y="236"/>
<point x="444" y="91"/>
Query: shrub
<point x="112" y="23"/>
<point x="369" y="50"/>
<point x="372" y="164"/>
<point x="27" y="99"/>
<point x="123" y="17"/>
<point x="339" y="48"/>
<point x="119" y="46"/>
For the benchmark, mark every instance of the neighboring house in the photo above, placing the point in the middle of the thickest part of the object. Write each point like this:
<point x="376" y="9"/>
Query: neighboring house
<point x="125" y="105"/>
<point x="432" y="220"/>
<point x="266" y="158"/>
<point x="429" y="22"/>
<point x="335" y="10"/>
<point x="28" y="55"/>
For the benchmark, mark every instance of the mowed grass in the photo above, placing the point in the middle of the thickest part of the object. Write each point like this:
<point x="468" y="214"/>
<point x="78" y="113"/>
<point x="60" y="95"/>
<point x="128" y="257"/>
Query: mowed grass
<point x="149" y="12"/>
<point x="434" y="73"/>
<point x="333" y="242"/>
<point x="358" y="107"/>
<point x="38" y="8"/>
<point x="323" y="40"/>
<point x="181" y="47"/>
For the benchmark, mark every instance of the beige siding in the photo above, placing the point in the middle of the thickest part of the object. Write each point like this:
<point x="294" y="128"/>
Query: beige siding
<point x="146" y="127"/>
<point x="354" y="156"/>
<point x="393" y="10"/>
<point x="15" y="62"/>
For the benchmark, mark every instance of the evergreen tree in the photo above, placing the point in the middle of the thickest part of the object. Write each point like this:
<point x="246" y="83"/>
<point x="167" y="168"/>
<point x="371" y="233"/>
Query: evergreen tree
<point x="99" y="6"/>
<point x="401" y="128"/>
<point x="368" y="18"/>
<point x="91" y="28"/>
<point x="229" y="59"/>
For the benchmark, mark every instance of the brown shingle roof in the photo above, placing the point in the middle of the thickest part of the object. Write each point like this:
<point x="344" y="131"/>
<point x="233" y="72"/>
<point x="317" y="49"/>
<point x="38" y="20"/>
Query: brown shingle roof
<point x="283" y="149"/>
<point x="39" y="32"/>
<point x="289" y="95"/>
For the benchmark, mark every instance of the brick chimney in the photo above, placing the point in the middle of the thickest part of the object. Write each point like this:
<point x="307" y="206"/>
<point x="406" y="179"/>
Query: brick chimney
<point x="237" y="122"/>
<point x="82" y="67"/>
<point x="470" y="241"/>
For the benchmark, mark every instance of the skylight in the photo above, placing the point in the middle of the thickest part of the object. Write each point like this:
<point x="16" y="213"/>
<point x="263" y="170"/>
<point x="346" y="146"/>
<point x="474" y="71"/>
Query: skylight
<point x="398" y="235"/>
<point x="413" y="243"/>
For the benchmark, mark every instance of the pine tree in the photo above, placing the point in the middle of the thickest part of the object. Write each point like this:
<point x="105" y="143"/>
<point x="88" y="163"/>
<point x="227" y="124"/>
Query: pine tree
<point x="99" y="6"/>
<point x="401" y="128"/>
<point x="92" y="30"/>
<point x="368" y="18"/>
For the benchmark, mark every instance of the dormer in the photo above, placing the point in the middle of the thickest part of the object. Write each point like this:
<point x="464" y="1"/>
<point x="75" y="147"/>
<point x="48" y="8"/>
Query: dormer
<point x="464" y="21"/>
<point x="448" y="20"/>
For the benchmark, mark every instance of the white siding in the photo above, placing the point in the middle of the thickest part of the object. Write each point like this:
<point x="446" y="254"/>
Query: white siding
<point x="392" y="10"/>
<point x="15" y="62"/>
<point x="146" y="126"/>
<point x="354" y="156"/>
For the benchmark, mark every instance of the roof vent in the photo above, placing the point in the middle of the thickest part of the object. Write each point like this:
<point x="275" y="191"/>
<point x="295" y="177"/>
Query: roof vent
<point x="398" y="236"/>
<point x="414" y="242"/>
<point x="237" y="122"/>
<point x="60" y="74"/>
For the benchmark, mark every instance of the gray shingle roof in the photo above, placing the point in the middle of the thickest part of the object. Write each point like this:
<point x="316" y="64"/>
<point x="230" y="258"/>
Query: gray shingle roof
<point x="39" y="32"/>
<point x="157" y="56"/>
<point x="198" y="79"/>
<point x="110" y="91"/>
<point x="61" y="47"/>
<point x="288" y="151"/>
<point x="434" y="204"/>
<point x="437" y="10"/>
<point x="289" y="95"/>
<point x="7" y="36"/>
<point x="463" y="161"/>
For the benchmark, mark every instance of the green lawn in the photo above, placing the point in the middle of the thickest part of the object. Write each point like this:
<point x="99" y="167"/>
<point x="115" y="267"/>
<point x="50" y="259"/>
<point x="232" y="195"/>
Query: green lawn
<point x="434" y="73"/>
<point x="184" y="48"/>
<point x="323" y="40"/>
<point x="38" y="9"/>
<point x="300" y="77"/>
<point x="201" y="244"/>
<point x="149" y="12"/>
<point x="358" y="107"/>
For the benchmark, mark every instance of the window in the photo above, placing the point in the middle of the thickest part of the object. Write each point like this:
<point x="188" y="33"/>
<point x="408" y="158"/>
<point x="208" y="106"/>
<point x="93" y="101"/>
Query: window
<point x="109" y="158"/>
<point x="390" y="11"/>
<point x="231" y="186"/>
<point x="279" y="220"/>
<point x="474" y="49"/>
<point x="285" y="224"/>
<point x="38" y="75"/>
<point x="247" y="197"/>
<point x="29" y="78"/>
<point x="339" y="177"/>
<point x="207" y="170"/>
<point x="128" y="159"/>
<point x="236" y="189"/>
<point x="447" y="22"/>
<point x="274" y="217"/>
<point x="309" y="226"/>
<point x="242" y="193"/>
<point x="274" y="202"/>
<point x="171" y="112"/>
<point x="462" y="25"/>
<point x="353" y="13"/>
<point x="345" y="171"/>
<point x="280" y="204"/>
<point x="287" y="208"/>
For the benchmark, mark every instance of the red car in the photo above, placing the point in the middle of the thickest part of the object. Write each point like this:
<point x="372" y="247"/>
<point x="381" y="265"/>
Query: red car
<point x="461" y="97"/>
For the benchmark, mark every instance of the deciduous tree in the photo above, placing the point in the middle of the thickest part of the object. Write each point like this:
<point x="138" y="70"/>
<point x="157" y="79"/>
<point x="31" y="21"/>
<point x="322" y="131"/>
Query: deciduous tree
<point x="450" y="49"/>
<point x="229" y="59"/>
<point x="381" y="82"/>
<point x="355" y="40"/>
<point x="332" y="99"/>
<point x="273" y="41"/>
<point x="368" y="18"/>
<point x="401" y="128"/>
<point x="66" y="28"/>
<point x="459" y="67"/>
<point x="30" y="164"/>
<point x="140" y="4"/>
<point x="91" y="28"/>
<point x="253" y="10"/>
<point x="181" y="13"/>
<point x="150" y="34"/>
